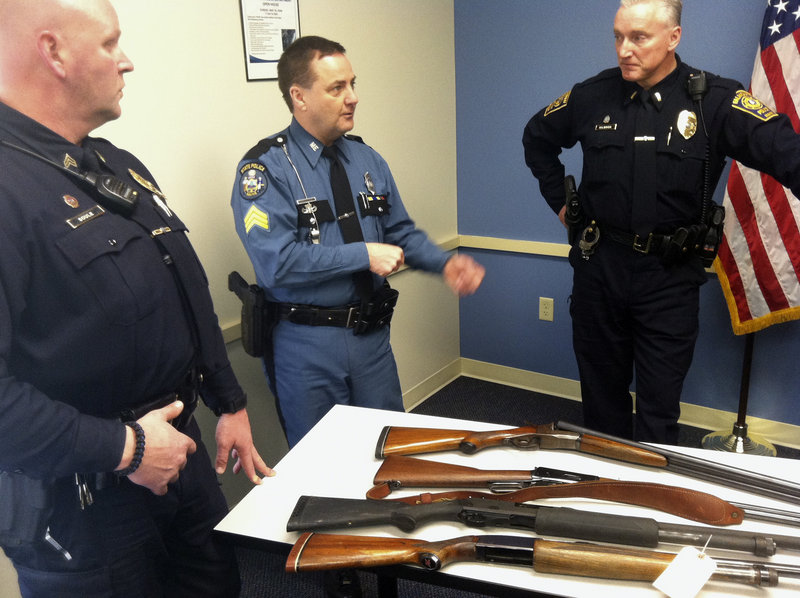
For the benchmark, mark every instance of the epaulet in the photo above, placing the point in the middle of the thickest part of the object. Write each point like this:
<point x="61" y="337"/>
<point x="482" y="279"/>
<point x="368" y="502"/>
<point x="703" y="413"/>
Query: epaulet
<point x="611" y="73"/>
<point x="355" y="138"/>
<point x="262" y="147"/>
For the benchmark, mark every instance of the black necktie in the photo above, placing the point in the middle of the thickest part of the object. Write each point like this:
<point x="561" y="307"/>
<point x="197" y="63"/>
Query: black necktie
<point x="643" y="201"/>
<point x="346" y="215"/>
<point x="343" y="198"/>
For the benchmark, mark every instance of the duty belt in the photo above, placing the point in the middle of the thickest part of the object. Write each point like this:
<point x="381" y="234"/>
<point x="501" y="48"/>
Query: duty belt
<point x="345" y="316"/>
<point x="655" y="244"/>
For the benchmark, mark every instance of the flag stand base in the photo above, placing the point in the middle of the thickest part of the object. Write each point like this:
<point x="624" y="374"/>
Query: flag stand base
<point x="739" y="442"/>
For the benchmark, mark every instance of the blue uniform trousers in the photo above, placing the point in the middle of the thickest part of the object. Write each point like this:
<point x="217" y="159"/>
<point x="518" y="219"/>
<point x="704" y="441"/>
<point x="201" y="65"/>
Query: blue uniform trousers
<point x="317" y="367"/>
<point x="133" y="544"/>
<point x="630" y="313"/>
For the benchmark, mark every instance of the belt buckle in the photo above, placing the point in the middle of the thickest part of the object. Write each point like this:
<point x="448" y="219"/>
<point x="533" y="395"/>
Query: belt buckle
<point x="637" y="243"/>
<point x="352" y="316"/>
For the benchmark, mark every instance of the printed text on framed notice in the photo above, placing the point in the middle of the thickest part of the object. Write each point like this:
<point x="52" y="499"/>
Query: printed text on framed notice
<point x="268" y="27"/>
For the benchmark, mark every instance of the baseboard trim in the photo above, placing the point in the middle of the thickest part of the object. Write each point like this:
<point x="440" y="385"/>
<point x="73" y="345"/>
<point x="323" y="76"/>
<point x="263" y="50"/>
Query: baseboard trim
<point x="417" y="394"/>
<point x="691" y="415"/>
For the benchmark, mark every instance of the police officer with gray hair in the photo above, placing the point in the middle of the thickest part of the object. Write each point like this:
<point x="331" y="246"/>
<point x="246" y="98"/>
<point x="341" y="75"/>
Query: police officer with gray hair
<point x="654" y="133"/>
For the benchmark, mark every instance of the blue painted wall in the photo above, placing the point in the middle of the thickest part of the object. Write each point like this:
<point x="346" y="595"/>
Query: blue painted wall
<point x="512" y="58"/>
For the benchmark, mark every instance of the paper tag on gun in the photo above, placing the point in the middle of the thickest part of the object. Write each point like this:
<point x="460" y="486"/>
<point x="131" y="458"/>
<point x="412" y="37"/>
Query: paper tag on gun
<point x="686" y="574"/>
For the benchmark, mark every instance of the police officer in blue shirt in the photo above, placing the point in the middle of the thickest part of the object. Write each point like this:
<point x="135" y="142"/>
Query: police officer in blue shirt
<point x="107" y="336"/>
<point x="325" y="283"/>
<point x="654" y="134"/>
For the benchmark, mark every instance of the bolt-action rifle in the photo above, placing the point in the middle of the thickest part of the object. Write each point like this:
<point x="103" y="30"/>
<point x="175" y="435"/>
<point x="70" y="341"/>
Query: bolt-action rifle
<point x="396" y="440"/>
<point x="522" y="485"/>
<point x="318" y="513"/>
<point x="315" y="552"/>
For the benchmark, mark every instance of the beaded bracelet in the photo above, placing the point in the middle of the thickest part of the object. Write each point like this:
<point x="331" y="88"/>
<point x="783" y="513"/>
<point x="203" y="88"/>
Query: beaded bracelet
<point x="138" y="453"/>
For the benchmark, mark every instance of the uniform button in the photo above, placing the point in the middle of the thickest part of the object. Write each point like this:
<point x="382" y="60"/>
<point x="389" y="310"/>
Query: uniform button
<point x="112" y="242"/>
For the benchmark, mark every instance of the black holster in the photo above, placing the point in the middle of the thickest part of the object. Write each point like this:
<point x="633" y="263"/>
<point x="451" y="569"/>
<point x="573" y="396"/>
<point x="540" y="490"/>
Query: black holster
<point x="376" y="312"/>
<point x="258" y="316"/>
<point x="26" y="505"/>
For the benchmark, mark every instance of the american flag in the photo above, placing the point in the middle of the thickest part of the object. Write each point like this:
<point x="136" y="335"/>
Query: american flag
<point x="759" y="258"/>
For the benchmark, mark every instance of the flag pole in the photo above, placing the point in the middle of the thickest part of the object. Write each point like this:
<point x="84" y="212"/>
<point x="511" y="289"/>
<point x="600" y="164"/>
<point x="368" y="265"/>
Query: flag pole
<point x="738" y="441"/>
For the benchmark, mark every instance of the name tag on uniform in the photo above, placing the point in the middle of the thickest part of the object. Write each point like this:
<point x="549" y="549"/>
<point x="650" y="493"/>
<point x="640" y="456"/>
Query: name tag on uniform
<point x="84" y="217"/>
<point x="606" y="125"/>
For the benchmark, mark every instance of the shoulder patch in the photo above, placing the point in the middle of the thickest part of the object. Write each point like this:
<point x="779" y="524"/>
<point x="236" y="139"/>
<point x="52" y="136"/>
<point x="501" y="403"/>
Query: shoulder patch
<point x="252" y="180"/>
<point x="750" y="104"/>
<point x="557" y="104"/>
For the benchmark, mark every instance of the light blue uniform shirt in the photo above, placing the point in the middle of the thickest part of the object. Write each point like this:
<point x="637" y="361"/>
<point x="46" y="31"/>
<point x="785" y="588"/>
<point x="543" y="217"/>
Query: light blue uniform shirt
<point x="288" y="265"/>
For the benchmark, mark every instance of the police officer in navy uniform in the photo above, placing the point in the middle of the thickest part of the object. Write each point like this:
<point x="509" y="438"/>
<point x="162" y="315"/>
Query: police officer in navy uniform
<point x="651" y="131"/>
<point x="107" y="335"/>
<point x="317" y="273"/>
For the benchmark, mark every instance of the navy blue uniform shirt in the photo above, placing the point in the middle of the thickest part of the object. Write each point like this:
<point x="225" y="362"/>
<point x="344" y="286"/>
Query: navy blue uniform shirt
<point x="91" y="318"/>
<point x="599" y="114"/>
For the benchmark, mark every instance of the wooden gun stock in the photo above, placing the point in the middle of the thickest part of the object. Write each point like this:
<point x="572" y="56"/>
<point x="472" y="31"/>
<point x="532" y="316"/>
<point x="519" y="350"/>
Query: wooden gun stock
<point x="314" y="552"/>
<point x="396" y="440"/>
<point x="408" y="471"/>
<point x="402" y="472"/>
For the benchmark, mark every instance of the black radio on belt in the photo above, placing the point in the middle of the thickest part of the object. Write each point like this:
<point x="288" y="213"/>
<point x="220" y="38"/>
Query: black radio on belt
<point x="573" y="215"/>
<point x="709" y="245"/>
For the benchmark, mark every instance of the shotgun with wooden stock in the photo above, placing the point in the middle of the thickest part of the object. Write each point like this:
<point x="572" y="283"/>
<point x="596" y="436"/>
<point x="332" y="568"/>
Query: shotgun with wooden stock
<point x="396" y="440"/>
<point x="398" y="472"/>
<point x="318" y="513"/>
<point x="316" y="552"/>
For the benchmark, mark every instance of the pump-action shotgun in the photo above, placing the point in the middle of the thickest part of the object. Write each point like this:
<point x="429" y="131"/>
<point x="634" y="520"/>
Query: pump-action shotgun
<point x="319" y="513"/>
<point x="314" y="552"/>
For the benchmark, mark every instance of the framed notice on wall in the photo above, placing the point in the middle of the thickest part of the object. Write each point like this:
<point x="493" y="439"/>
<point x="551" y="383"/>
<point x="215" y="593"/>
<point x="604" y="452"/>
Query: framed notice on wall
<point x="268" y="27"/>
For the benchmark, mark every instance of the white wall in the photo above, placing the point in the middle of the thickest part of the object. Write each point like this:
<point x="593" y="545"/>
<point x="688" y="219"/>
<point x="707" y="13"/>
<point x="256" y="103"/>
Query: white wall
<point x="189" y="114"/>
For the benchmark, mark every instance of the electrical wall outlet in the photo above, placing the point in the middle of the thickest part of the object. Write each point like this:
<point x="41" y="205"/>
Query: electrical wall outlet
<point x="546" y="309"/>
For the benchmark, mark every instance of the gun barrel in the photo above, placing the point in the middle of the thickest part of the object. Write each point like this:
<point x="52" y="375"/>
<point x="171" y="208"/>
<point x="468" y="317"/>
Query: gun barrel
<point x="769" y="515"/>
<point x="710" y="471"/>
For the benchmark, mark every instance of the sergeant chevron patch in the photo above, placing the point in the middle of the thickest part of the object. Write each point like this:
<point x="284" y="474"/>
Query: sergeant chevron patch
<point x="255" y="217"/>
